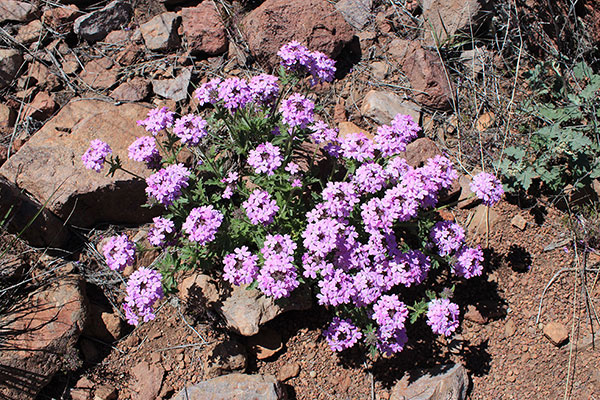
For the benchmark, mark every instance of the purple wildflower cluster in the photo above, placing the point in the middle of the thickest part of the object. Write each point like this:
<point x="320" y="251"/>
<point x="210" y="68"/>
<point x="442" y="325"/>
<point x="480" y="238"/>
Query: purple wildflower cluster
<point x="96" y="154"/>
<point x="144" y="150"/>
<point x="392" y="139"/>
<point x="166" y="184"/>
<point x="260" y="207"/>
<point x="297" y="111"/>
<point x="468" y="262"/>
<point x="190" y="129"/>
<point x="342" y="334"/>
<point x="442" y="316"/>
<point x="266" y="158"/>
<point x="157" y="120"/>
<point x="158" y="233"/>
<point x="143" y="290"/>
<point x="235" y="93"/>
<point x="231" y="181"/>
<point x="448" y="237"/>
<point x="119" y="252"/>
<point x="202" y="224"/>
<point x="296" y="57"/>
<point x="240" y="267"/>
<point x="487" y="187"/>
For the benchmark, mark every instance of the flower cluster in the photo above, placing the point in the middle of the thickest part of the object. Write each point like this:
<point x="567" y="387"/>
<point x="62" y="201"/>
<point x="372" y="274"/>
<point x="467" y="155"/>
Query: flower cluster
<point x="144" y="150"/>
<point x="487" y="187"/>
<point x="297" y="111"/>
<point x="202" y="224"/>
<point x="96" y="154"/>
<point x="119" y="252"/>
<point x="190" y="129"/>
<point x="260" y="207"/>
<point x="392" y="139"/>
<point x="296" y="57"/>
<point x="144" y="288"/>
<point x="240" y="267"/>
<point x="342" y="334"/>
<point x="162" y="227"/>
<point x="448" y="237"/>
<point x="442" y="316"/>
<point x="266" y="158"/>
<point x="165" y="185"/>
<point x="236" y="93"/>
<point x="157" y="120"/>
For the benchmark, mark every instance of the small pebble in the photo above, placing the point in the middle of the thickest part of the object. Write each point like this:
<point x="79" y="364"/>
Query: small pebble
<point x="312" y="374"/>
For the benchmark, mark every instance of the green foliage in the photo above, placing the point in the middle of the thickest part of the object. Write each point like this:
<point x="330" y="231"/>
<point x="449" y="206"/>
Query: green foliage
<point x="564" y="148"/>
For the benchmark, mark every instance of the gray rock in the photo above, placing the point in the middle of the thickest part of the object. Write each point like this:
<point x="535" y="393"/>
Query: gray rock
<point x="10" y="63"/>
<point x="160" y="33"/>
<point x="382" y="107"/>
<point x="475" y="60"/>
<point x="174" y="89"/>
<point x="446" y="18"/>
<point x="136" y="89"/>
<point x="356" y="12"/>
<point x="227" y="356"/>
<point x="97" y="24"/>
<point x="49" y="165"/>
<point x="446" y="382"/>
<point x="18" y="11"/>
<point x="235" y="386"/>
<point x="481" y="220"/>
<point x="246" y="310"/>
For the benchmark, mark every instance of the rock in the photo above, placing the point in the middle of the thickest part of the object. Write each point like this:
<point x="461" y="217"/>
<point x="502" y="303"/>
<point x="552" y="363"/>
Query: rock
<point x="149" y="380"/>
<point x="105" y="392"/>
<point x="21" y="209"/>
<point x="49" y="165"/>
<point x="277" y="22"/>
<point x="7" y="117"/>
<point x="41" y="77"/>
<point x="102" y="324"/>
<point x="40" y="108"/>
<point x="482" y="219"/>
<point x="100" y="73"/>
<point x="60" y="19"/>
<point x="198" y="290"/>
<point x="31" y="32"/>
<point x="265" y="343"/>
<point x="379" y="70"/>
<point x="204" y="29"/>
<point x="446" y="18"/>
<point x="509" y="328"/>
<point x="339" y="111"/>
<point x="226" y="357"/>
<point x="557" y="333"/>
<point x="419" y="151"/>
<point x="235" y="386"/>
<point x="10" y="64"/>
<point x="382" y="107"/>
<point x="129" y="54"/>
<point x="246" y="310"/>
<point x="288" y="371"/>
<point x="356" y="12"/>
<point x="18" y="11"/>
<point x="446" y="382"/>
<point x="519" y="222"/>
<point x="97" y="24"/>
<point x="475" y="60"/>
<point x="81" y="394"/>
<point x="474" y="315"/>
<point x="467" y="198"/>
<point x="591" y="341"/>
<point x="160" y="33"/>
<point x="175" y="89"/>
<point x="428" y="80"/>
<point x="136" y="89"/>
<point x="345" y="128"/>
<point x="43" y="334"/>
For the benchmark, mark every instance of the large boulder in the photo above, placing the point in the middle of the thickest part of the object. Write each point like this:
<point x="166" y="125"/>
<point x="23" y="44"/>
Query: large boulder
<point x="40" y="338"/>
<point x="446" y="382"/>
<point x="315" y="23"/>
<point x="203" y="29"/>
<point x="49" y="165"/>
<point x="235" y="386"/>
<point x="446" y="18"/>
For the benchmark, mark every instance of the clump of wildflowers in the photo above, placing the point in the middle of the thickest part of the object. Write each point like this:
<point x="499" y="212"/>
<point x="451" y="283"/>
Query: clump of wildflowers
<point x="266" y="158"/>
<point x="202" y="224"/>
<point x="157" y="120"/>
<point x="95" y="156"/>
<point x="144" y="288"/>
<point x="468" y="262"/>
<point x="297" y="111"/>
<point x="448" y="237"/>
<point x="119" y="252"/>
<point x="190" y="129"/>
<point x="162" y="227"/>
<point x="144" y="150"/>
<point x="342" y="334"/>
<point x="487" y="187"/>
<point x="260" y="207"/>
<point x="240" y="266"/>
<point x="442" y="316"/>
<point x="165" y="185"/>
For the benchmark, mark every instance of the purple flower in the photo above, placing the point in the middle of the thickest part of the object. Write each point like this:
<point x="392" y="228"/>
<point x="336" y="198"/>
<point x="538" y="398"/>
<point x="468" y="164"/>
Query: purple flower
<point x="202" y="224"/>
<point x="162" y="226"/>
<point x="227" y="192"/>
<point x="297" y="110"/>
<point x="266" y="158"/>
<point x="396" y="167"/>
<point x="264" y="88"/>
<point x="293" y="55"/>
<point x="157" y="120"/>
<point x="321" y="133"/>
<point x="342" y="334"/>
<point x="408" y="268"/>
<point x="448" y="237"/>
<point x="442" y="316"/>
<point x="144" y="150"/>
<point x="392" y="344"/>
<point x="392" y="139"/>
<point x="96" y="154"/>
<point x="119" y="252"/>
<point x="336" y="288"/>
<point x="260" y="207"/>
<point x="439" y="172"/>
<point x="166" y="184"/>
<point x="235" y="93"/>
<point x="377" y="215"/>
<point x="339" y="198"/>
<point x="208" y="92"/>
<point x="468" y="262"/>
<point x="369" y="178"/>
<point x="390" y="314"/>
<point x="240" y="266"/>
<point x="277" y="277"/>
<point x="296" y="183"/>
<point x="487" y="187"/>
<point x="278" y="245"/>
<point x="190" y="129"/>
<point x="292" y="168"/>
<point x="321" y="67"/>
<point x="321" y="237"/>
<point x="357" y="146"/>
<point x="143" y="290"/>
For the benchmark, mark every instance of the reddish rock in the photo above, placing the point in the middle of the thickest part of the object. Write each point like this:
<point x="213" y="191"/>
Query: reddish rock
<point x="18" y="11"/>
<point x="288" y="371"/>
<point x="60" y="19"/>
<point x="160" y="33"/>
<point x="11" y="61"/>
<point x="7" y="117"/>
<point x="339" y="111"/>
<point x="136" y="89"/>
<point x="557" y="333"/>
<point x="277" y="22"/>
<point x="44" y="330"/>
<point x="235" y="386"/>
<point x="149" y="380"/>
<point x="129" y="54"/>
<point x="40" y="108"/>
<point x="382" y="107"/>
<point x="447" y="382"/>
<point x="31" y="32"/>
<point x="204" y="29"/>
<point x="100" y="74"/>
<point x="425" y="72"/>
